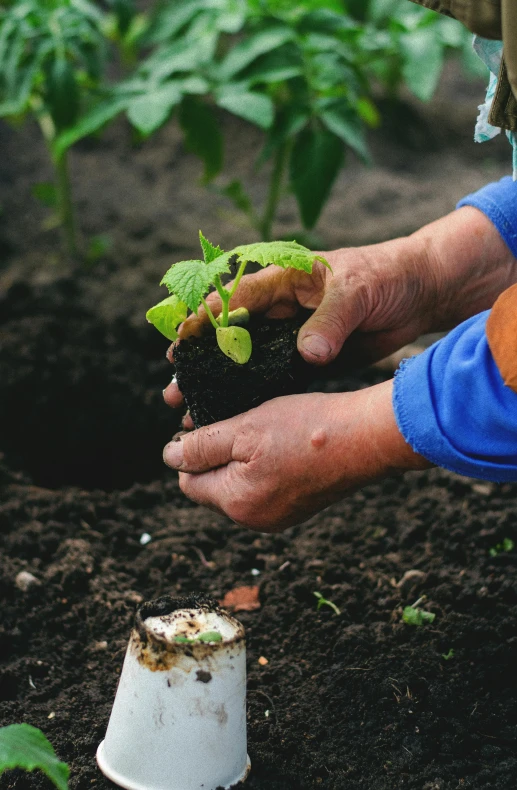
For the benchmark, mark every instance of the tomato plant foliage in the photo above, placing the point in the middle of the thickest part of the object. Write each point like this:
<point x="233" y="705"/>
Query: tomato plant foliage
<point x="306" y="73"/>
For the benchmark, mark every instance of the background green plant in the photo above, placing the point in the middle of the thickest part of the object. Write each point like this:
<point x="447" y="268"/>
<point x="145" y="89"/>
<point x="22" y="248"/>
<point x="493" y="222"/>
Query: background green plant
<point x="52" y="59"/>
<point x="309" y="74"/>
<point x="26" y="747"/>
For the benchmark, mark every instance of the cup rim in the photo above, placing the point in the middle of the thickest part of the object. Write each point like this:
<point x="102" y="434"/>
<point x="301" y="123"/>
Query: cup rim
<point x="167" y="604"/>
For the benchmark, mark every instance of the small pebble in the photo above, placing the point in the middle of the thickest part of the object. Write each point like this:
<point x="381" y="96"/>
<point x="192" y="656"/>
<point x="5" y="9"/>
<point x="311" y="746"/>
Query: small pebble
<point x="51" y="715"/>
<point x="24" y="580"/>
<point x="255" y="572"/>
<point x="263" y="661"/>
<point x="145" y="538"/>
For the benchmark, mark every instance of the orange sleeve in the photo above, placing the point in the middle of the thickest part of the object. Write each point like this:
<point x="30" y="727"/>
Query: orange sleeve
<point x="501" y="331"/>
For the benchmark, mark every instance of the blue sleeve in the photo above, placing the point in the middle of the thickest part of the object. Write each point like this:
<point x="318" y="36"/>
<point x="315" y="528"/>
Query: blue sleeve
<point x="452" y="406"/>
<point x="499" y="202"/>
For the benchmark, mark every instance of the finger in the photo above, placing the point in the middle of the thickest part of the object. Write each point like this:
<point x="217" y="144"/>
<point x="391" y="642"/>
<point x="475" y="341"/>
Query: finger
<point x="172" y="395"/>
<point x="193" y="326"/>
<point x="187" y="422"/>
<point x="205" y="489"/>
<point x="260" y="291"/>
<point x="341" y="311"/>
<point x="204" y="449"/>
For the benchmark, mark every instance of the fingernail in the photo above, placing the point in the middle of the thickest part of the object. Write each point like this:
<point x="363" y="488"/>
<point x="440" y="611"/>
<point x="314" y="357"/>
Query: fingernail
<point x="316" y="345"/>
<point x="173" y="453"/>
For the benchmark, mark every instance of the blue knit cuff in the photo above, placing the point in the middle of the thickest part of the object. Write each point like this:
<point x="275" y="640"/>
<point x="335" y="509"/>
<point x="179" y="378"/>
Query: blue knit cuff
<point x="498" y="201"/>
<point x="452" y="406"/>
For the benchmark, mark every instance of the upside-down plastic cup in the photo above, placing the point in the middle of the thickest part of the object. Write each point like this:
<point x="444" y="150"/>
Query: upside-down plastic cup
<point x="179" y="717"/>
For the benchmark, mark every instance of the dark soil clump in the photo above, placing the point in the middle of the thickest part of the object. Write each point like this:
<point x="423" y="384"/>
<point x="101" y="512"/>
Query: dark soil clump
<point x="216" y="388"/>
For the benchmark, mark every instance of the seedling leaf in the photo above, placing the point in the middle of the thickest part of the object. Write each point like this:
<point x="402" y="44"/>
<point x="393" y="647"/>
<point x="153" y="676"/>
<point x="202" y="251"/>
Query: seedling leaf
<point x="24" y="746"/>
<point x="287" y="254"/>
<point x="506" y="544"/>
<point x="324" y="602"/>
<point x="235" y="342"/>
<point x="449" y="655"/>
<point x="166" y="316"/>
<point x="414" y="616"/>
<point x="210" y="636"/>
<point x="191" y="280"/>
<point x="210" y="253"/>
<point x="240" y="316"/>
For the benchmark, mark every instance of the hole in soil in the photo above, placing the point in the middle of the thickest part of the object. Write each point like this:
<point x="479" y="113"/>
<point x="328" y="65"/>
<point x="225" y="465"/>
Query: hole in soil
<point x="80" y="401"/>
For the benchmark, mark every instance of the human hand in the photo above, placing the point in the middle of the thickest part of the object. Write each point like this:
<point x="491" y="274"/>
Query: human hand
<point x="383" y="296"/>
<point x="289" y="458"/>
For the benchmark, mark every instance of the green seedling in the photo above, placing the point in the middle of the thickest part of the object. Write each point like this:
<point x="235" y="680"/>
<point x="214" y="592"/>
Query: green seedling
<point x="207" y="636"/>
<point x="25" y="747"/>
<point x="413" y="615"/>
<point x="325" y="602"/>
<point x="189" y="282"/>
<point x="506" y="545"/>
<point x="449" y="655"/>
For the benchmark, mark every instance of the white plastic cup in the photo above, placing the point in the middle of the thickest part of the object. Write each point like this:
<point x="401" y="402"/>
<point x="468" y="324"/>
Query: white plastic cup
<point x="179" y="717"/>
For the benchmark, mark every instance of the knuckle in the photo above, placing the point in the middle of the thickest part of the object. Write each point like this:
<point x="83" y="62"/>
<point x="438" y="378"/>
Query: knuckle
<point x="195" y="448"/>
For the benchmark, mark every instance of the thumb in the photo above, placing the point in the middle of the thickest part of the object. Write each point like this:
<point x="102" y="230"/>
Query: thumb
<point x="322" y="336"/>
<point x="202" y="450"/>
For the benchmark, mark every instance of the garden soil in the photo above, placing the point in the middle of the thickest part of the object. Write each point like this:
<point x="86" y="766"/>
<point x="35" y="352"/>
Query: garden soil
<point x="351" y="701"/>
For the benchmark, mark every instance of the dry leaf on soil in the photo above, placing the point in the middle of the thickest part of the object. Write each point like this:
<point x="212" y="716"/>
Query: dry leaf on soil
<point x="242" y="599"/>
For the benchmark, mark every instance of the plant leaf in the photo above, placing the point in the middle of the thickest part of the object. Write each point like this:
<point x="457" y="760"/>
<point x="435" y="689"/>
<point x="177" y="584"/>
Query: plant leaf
<point x="89" y="123"/>
<point x="251" y="48"/>
<point x="235" y="342"/>
<point x="316" y="159"/>
<point x="235" y="192"/>
<point x="191" y="280"/>
<point x="415" y="616"/>
<point x="46" y="193"/>
<point x="151" y="110"/>
<point x="343" y="122"/>
<point x="423" y="62"/>
<point x="287" y="254"/>
<point x="24" y="746"/>
<point x="210" y="253"/>
<point x="210" y="636"/>
<point x="166" y="316"/>
<point x="254" y="107"/>
<point x="203" y="135"/>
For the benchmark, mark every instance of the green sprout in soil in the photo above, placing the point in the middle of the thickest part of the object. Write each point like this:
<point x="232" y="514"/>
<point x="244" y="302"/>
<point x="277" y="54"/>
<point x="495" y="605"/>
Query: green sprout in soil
<point x="506" y="544"/>
<point x="325" y="602"/>
<point x="449" y="655"/>
<point x="25" y="747"/>
<point x="207" y="636"/>
<point x="189" y="282"/>
<point x="413" y="615"/>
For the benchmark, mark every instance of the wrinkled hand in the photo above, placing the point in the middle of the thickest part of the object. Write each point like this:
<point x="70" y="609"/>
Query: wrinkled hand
<point x="380" y="297"/>
<point x="280" y="463"/>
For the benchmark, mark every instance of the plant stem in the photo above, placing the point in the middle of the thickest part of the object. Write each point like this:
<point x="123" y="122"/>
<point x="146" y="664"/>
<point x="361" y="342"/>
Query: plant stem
<point x="64" y="197"/>
<point x="209" y="313"/>
<point x="237" y="280"/>
<point x="62" y="178"/>
<point x="225" y="299"/>
<point x="265" y="225"/>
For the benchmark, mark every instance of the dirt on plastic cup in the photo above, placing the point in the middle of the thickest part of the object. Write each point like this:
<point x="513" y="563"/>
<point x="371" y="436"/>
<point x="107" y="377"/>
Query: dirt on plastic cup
<point x="179" y="717"/>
